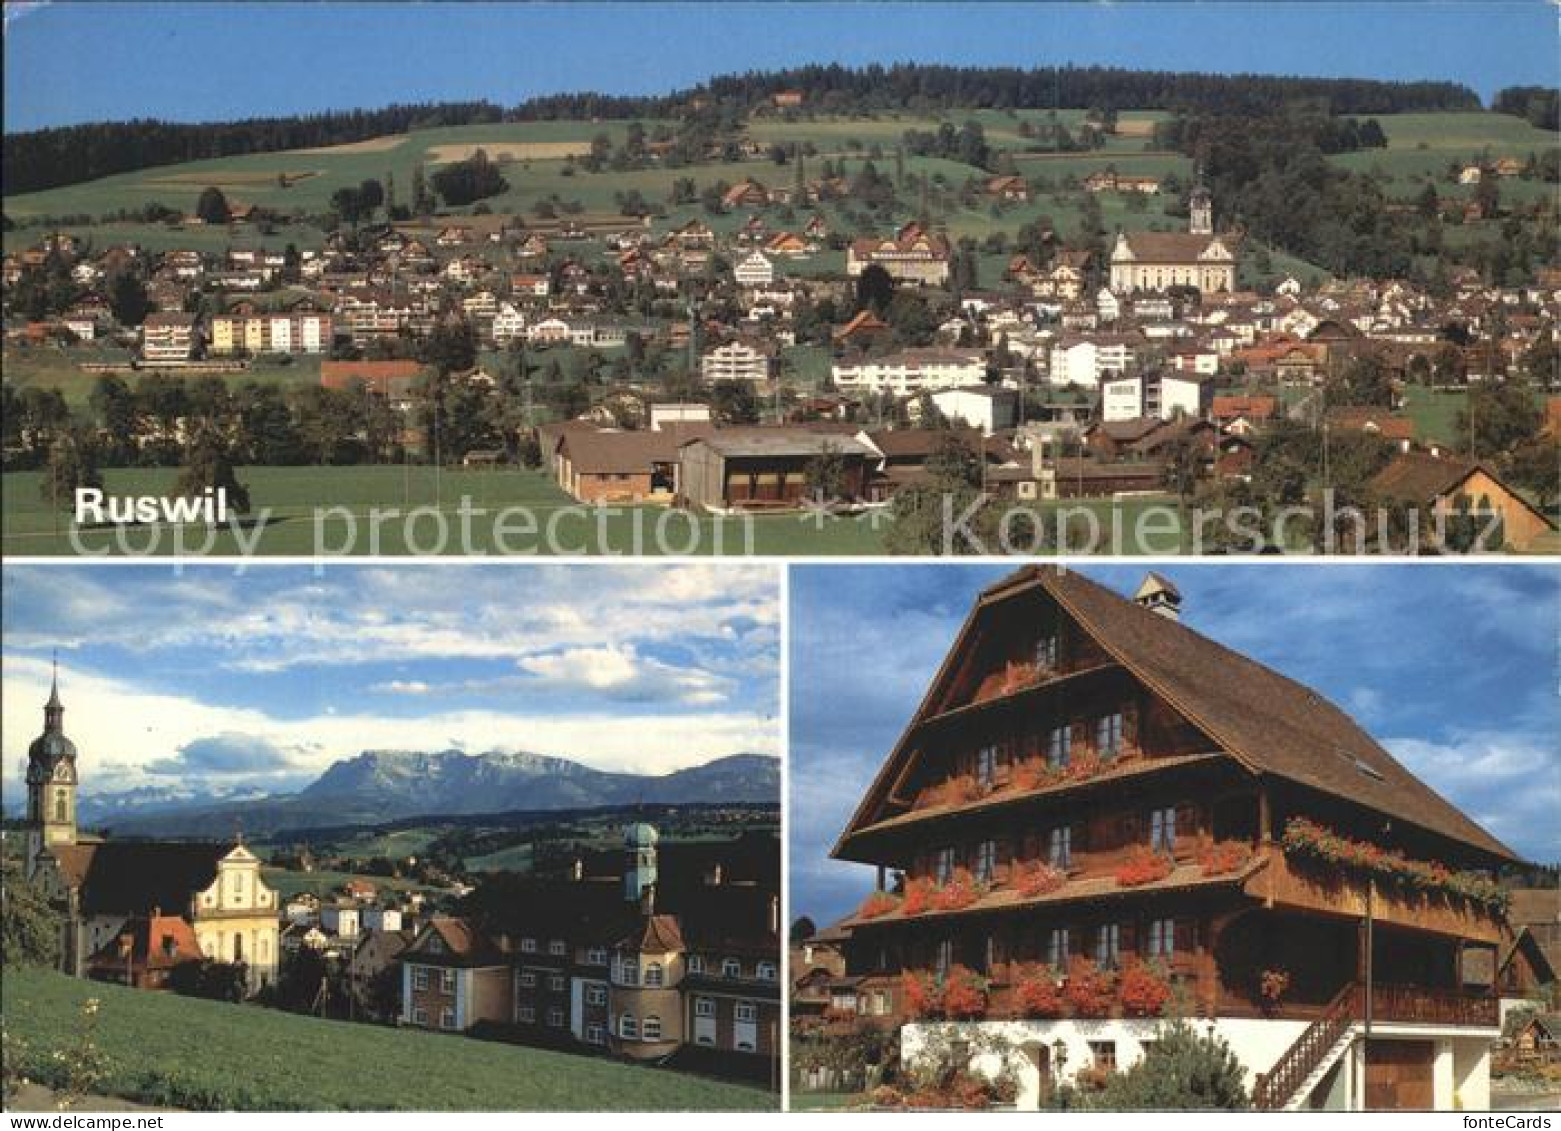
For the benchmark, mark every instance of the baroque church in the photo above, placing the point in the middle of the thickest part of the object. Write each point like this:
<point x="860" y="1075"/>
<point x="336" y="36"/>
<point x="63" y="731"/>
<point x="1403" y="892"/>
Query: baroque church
<point x="133" y="910"/>
<point x="1199" y="257"/>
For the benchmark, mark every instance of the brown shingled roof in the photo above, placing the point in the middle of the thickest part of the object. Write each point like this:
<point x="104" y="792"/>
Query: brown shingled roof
<point x="1269" y="723"/>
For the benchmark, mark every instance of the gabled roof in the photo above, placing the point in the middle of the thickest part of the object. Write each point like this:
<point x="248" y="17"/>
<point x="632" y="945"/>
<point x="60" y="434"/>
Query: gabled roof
<point x="139" y="877"/>
<point x="1270" y="724"/>
<point x="156" y="942"/>
<point x="460" y="944"/>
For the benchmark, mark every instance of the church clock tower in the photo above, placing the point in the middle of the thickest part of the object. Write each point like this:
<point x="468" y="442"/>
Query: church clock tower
<point x="51" y="782"/>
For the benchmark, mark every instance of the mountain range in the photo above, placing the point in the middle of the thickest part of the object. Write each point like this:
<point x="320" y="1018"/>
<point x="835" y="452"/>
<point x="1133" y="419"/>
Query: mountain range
<point x="387" y="785"/>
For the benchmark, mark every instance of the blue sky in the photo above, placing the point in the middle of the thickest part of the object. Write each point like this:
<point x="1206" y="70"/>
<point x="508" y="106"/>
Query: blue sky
<point x="262" y="680"/>
<point x="72" y="61"/>
<point x="1453" y="669"/>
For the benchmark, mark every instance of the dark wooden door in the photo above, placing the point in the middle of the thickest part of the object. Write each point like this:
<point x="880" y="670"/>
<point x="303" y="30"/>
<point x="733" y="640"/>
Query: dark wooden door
<point x="1399" y="1075"/>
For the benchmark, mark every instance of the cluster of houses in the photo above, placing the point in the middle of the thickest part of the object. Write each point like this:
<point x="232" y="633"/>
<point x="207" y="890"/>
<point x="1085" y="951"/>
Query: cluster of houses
<point x="1125" y="357"/>
<point x="641" y="963"/>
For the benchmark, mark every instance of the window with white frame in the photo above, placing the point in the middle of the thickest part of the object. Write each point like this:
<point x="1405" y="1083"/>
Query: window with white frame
<point x="596" y="956"/>
<point x="558" y="948"/>
<point x="419" y="1016"/>
<point x="447" y="1018"/>
<point x="1058" y="946"/>
<point x="595" y="1035"/>
<point x="943" y="864"/>
<point x="1162" y="938"/>
<point x="1108" y="735"/>
<point x="596" y="995"/>
<point x="1059" y="847"/>
<point x="628" y="1027"/>
<point x="419" y="977"/>
<point x="731" y="968"/>
<point x="528" y="978"/>
<point x="986" y="765"/>
<point x="766" y="971"/>
<point x="1162" y="829"/>
<point x="1059" y="746"/>
<point x="653" y="976"/>
<point x="986" y="861"/>
<point x="447" y="981"/>
<point x="704" y="1007"/>
<point x="557" y="983"/>
<point x="527" y="1014"/>
<point x="629" y="972"/>
<point x="1047" y="651"/>
<point x="1108" y="946"/>
<point x="555" y="1018"/>
<point x="695" y="964"/>
<point x="528" y="946"/>
<point x="651" y="1030"/>
<point x="746" y="1011"/>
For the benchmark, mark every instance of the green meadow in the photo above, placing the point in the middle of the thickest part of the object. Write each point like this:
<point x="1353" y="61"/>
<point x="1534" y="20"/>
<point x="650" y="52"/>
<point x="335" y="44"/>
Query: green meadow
<point x="213" y="1056"/>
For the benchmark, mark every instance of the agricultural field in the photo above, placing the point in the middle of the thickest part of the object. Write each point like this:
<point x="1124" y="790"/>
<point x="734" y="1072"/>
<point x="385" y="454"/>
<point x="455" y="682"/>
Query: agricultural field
<point x="290" y="495"/>
<point x="321" y="883"/>
<point x="1422" y="147"/>
<point x="533" y="153"/>
<point x="182" y="1052"/>
<point x="53" y="367"/>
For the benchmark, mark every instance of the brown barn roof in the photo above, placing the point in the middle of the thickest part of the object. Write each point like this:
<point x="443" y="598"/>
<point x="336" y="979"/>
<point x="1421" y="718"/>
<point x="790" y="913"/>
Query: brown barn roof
<point x="1269" y="723"/>
<point x="1170" y="247"/>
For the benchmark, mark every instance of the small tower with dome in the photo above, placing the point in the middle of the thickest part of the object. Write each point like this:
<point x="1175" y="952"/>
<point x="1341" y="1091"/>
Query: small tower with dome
<point x="639" y="866"/>
<point x="1200" y="209"/>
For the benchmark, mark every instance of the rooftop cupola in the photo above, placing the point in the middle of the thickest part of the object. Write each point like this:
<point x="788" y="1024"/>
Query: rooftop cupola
<point x="1158" y="595"/>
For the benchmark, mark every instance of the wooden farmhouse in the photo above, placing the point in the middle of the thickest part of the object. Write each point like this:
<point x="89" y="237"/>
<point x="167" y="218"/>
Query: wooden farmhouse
<point x="1098" y="816"/>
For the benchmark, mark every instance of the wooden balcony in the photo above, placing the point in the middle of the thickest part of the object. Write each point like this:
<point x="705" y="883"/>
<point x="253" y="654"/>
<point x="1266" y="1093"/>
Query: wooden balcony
<point x="1414" y="1005"/>
<point x="1283" y="884"/>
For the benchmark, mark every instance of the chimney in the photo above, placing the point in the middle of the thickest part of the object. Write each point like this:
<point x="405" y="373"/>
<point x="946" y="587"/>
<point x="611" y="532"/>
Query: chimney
<point x="1159" y="596"/>
<point x="577" y="869"/>
<point x="715" y="876"/>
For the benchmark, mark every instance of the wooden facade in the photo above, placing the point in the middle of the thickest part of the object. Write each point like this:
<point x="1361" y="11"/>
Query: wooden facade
<point x="1077" y="794"/>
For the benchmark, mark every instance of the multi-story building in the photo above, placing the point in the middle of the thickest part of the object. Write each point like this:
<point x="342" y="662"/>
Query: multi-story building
<point x="754" y="270"/>
<point x="640" y="964"/>
<point x="911" y="255"/>
<point x="170" y="336"/>
<point x="911" y="371"/>
<point x="737" y="361"/>
<point x="1095" y="811"/>
<point x="1088" y="359"/>
<point x="131" y="910"/>
<point x="247" y="330"/>
<point x="1161" y="394"/>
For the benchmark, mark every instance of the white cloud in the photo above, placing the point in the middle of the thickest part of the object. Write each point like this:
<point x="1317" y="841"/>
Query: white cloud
<point x="125" y="733"/>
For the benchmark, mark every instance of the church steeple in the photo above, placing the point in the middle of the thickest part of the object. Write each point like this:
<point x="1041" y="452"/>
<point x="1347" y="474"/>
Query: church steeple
<point x="51" y="779"/>
<point x="54" y="710"/>
<point x="1200" y="211"/>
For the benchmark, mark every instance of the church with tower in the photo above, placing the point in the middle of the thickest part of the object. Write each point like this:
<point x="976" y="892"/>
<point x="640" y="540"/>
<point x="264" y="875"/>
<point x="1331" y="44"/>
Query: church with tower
<point x="131" y="911"/>
<point x="1199" y="257"/>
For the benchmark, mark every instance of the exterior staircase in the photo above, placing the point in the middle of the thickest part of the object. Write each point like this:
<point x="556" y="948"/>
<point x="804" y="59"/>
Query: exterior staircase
<point x="1286" y="1086"/>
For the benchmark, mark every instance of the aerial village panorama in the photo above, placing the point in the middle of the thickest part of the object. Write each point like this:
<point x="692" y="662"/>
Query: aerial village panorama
<point x="802" y="305"/>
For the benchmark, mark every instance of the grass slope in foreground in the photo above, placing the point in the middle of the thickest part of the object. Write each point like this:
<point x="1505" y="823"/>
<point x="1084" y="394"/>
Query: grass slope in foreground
<point x="213" y="1056"/>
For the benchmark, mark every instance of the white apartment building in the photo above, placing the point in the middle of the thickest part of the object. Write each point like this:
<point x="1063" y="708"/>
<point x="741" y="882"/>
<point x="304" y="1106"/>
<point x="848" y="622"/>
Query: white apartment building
<point x="1160" y="395"/>
<point x="1086" y="360"/>
<point x="736" y="361"/>
<point x="911" y="371"/>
